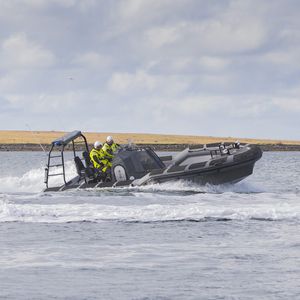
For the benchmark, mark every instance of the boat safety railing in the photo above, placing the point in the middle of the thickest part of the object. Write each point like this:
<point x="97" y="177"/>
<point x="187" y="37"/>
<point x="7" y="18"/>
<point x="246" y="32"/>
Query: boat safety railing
<point x="74" y="141"/>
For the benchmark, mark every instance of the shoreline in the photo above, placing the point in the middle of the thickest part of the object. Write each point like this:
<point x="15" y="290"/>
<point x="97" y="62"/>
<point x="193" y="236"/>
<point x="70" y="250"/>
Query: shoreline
<point x="17" y="140"/>
<point x="31" y="147"/>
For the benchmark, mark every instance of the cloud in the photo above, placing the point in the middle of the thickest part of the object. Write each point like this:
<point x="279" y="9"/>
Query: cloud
<point x="283" y="58"/>
<point x="143" y="83"/>
<point x="141" y="12"/>
<point x="19" y="52"/>
<point x="231" y="36"/>
<point x="43" y="104"/>
<point x="121" y="82"/>
<point x="92" y="60"/>
<point x="162" y="66"/>
<point x="230" y="30"/>
<point x="291" y="105"/>
<point x="213" y="63"/>
<point x="227" y="106"/>
<point x="7" y="83"/>
<point x="216" y="35"/>
<point x="161" y="36"/>
<point x="43" y="4"/>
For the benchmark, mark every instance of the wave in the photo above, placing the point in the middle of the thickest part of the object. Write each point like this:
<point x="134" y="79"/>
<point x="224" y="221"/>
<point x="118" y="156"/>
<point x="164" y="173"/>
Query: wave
<point x="268" y="209"/>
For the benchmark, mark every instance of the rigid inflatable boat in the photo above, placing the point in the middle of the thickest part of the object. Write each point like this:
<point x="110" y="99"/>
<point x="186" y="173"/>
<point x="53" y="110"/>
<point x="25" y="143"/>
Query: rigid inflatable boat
<point x="136" y="166"/>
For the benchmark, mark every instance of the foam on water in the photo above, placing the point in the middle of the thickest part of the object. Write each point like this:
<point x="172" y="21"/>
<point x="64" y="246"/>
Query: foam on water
<point x="186" y="186"/>
<point x="199" y="207"/>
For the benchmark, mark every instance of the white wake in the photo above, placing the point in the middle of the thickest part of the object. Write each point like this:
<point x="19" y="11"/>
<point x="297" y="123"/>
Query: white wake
<point x="205" y="206"/>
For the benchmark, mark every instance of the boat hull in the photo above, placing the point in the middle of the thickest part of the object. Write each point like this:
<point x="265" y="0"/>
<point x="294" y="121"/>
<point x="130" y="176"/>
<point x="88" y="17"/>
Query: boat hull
<point x="215" y="176"/>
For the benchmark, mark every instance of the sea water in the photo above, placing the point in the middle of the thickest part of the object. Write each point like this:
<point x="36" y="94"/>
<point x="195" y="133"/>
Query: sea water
<point x="170" y="241"/>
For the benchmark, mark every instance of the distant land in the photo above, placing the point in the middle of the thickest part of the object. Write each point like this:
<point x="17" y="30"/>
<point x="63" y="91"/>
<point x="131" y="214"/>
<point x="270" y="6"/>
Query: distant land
<point x="30" y="140"/>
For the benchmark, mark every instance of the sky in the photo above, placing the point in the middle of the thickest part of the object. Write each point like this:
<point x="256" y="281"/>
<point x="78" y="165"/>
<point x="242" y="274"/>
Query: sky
<point x="195" y="67"/>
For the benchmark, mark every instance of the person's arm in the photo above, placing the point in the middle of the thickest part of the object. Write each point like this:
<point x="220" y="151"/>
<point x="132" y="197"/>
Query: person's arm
<point x="96" y="159"/>
<point x="106" y="153"/>
<point x="116" y="147"/>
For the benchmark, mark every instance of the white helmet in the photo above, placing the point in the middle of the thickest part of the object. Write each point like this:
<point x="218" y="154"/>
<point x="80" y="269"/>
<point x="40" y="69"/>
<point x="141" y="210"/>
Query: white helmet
<point x="97" y="145"/>
<point x="109" y="140"/>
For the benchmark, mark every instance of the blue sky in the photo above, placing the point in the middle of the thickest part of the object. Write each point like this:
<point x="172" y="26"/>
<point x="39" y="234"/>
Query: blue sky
<point x="218" y="68"/>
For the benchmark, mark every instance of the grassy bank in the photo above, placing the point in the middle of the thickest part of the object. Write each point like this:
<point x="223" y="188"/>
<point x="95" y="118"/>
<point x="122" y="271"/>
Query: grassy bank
<point x="46" y="137"/>
<point x="30" y="141"/>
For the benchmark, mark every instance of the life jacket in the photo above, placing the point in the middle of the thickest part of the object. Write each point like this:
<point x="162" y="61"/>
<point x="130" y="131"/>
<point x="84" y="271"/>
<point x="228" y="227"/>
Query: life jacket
<point x="98" y="159"/>
<point x="109" y="150"/>
<point x="114" y="147"/>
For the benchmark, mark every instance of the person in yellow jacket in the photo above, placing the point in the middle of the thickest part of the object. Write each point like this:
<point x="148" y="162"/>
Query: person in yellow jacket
<point x="99" y="159"/>
<point x="109" y="148"/>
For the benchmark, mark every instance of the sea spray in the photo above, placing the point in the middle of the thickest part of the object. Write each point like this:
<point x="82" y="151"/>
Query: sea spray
<point x="33" y="180"/>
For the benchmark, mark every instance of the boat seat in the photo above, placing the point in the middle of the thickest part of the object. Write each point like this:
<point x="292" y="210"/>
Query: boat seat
<point x="89" y="170"/>
<point x="79" y="166"/>
<point x="87" y="159"/>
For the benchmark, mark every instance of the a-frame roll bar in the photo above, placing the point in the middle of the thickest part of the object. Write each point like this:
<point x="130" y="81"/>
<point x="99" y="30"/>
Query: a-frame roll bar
<point x="60" y="145"/>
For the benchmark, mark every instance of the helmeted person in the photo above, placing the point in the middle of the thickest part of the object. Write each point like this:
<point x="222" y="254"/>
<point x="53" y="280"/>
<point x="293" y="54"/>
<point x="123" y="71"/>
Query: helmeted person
<point x="109" y="148"/>
<point x="99" y="159"/>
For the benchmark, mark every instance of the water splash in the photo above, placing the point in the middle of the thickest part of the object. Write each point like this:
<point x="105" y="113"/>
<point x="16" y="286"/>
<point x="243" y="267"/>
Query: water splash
<point x="190" y="187"/>
<point x="33" y="180"/>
